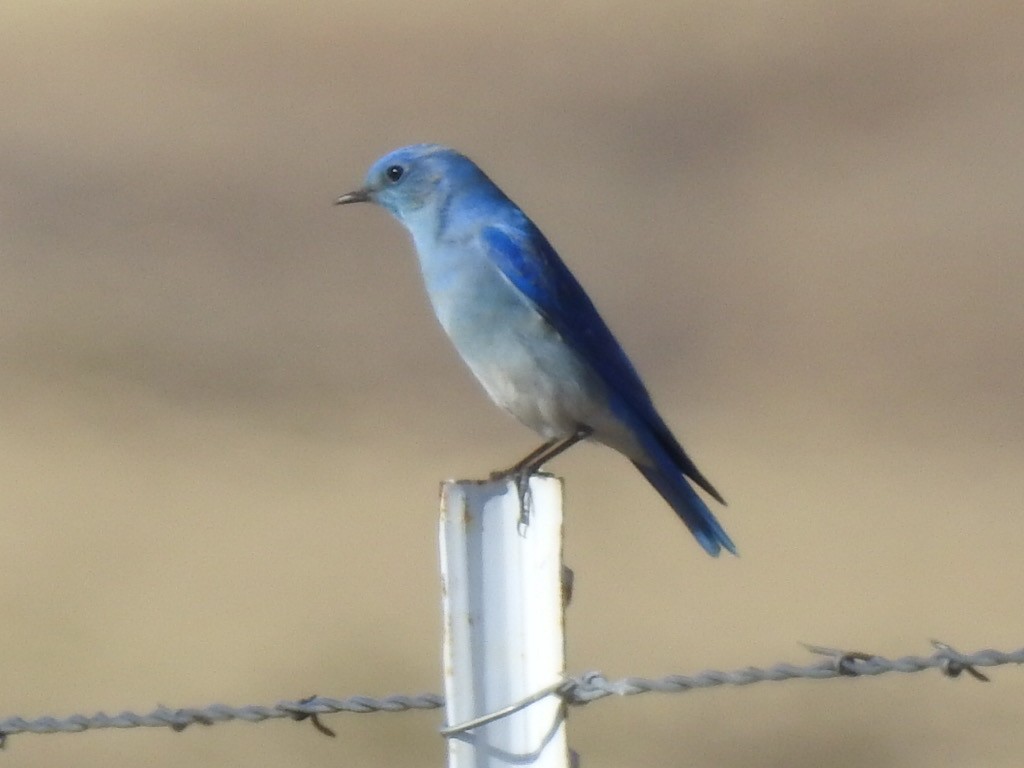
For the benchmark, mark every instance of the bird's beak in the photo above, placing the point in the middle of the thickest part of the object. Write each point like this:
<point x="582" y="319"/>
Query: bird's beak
<point x="359" y="196"/>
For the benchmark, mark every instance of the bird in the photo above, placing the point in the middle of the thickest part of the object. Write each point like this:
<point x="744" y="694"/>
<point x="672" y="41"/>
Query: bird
<point x="526" y="328"/>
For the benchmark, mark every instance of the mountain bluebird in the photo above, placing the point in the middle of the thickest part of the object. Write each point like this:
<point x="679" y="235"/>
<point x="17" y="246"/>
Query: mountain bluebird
<point x="526" y="328"/>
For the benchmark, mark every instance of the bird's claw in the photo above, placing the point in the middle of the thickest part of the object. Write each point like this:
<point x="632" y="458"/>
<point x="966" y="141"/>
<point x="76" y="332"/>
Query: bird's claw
<point x="520" y="476"/>
<point x="522" y="481"/>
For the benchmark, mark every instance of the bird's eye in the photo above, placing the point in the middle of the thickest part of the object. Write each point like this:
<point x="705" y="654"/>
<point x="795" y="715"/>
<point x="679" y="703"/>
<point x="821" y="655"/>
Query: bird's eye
<point x="394" y="172"/>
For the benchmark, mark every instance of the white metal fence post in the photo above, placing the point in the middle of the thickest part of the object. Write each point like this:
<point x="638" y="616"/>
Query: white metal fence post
<point x="503" y="622"/>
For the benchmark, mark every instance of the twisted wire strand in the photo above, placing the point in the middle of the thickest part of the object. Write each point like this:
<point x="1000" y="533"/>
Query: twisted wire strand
<point x="585" y="688"/>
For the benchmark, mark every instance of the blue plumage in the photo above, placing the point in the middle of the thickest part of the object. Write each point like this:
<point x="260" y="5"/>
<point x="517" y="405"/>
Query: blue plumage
<point x="526" y="327"/>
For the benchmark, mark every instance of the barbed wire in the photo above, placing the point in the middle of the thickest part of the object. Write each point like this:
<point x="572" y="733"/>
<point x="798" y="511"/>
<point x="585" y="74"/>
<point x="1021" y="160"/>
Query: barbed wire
<point x="582" y="689"/>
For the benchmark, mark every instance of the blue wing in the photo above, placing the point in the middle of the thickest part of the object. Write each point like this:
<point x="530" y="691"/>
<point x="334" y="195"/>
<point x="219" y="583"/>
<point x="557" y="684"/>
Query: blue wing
<point x="526" y="258"/>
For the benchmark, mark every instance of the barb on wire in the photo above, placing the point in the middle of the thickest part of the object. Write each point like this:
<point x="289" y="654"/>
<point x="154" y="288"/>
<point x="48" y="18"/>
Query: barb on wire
<point x="579" y="690"/>
<point x="955" y="663"/>
<point x="314" y="718"/>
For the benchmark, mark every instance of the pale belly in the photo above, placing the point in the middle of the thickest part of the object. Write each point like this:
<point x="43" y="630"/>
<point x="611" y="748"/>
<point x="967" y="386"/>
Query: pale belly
<point x="522" y="363"/>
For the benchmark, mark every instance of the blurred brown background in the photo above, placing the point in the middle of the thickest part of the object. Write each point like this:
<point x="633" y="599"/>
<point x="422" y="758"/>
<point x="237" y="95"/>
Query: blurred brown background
<point x="225" y="406"/>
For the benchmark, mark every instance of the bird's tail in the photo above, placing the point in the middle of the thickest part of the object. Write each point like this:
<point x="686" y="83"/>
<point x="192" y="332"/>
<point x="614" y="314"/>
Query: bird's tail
<point x="673" y="486"/>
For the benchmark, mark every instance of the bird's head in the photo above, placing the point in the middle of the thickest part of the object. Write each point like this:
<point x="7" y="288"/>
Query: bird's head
<point x="412" y="179"/>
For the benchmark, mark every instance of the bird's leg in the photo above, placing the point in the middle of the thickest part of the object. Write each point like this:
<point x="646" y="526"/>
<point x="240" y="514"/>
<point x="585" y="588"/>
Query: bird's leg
<point x="533" y="461"/>
<point x="529" y="462"/>
<point x="521" y="471"/>
<point x="536" y="458"/>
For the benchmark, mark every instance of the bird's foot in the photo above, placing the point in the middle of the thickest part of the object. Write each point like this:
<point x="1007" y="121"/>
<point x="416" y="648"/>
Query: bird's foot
<point x="521" y="477"/>
<point x="525" y="468"/>
<point x="520" y="473"/>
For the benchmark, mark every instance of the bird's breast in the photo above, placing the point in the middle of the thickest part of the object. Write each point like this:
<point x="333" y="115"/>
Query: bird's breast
<point x="519" y="358"/>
